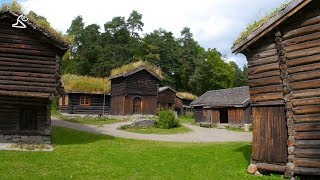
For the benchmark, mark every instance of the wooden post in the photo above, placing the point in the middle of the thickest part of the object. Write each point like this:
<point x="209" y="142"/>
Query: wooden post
<point x="288" y="105"/>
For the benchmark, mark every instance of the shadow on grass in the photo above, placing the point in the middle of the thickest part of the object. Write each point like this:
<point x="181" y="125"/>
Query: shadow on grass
<point x="246" y="151"/>
<point x="66" y="136"/>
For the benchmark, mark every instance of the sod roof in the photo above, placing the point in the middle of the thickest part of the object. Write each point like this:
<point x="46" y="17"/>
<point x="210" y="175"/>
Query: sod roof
<point x="186" y="95"/>
<point x="131" y="68"/>
<point x="36" y="23"/>
<point x="85" y="84"/>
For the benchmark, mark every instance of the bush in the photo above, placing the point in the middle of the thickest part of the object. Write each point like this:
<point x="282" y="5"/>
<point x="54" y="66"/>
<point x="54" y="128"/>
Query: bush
<point x="167" y="120"/>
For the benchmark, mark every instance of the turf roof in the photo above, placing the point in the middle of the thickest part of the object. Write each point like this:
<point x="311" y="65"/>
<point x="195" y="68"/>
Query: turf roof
<point x="126" y="69"/>
<point x="85" y="84"/>
<point x="186" y="95"/>
<point x="258" y="23"/>
<point x="39" y="22"/>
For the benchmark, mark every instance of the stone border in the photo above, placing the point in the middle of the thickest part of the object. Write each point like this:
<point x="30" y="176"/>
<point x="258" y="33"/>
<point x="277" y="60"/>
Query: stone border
<point x="25" y="147"/>
<point x="45" y="139"/>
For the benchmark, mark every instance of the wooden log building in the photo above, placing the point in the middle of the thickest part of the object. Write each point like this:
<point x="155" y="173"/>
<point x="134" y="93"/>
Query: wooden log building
<point x="182" y="104"/>
<point x="166" y="98"/>
<point x="85" y="95"/>
<point x="29" y="78"/>
<point x="284" y="76"/>
<point x="227" y="106"/>
<point x="134" y="89"/>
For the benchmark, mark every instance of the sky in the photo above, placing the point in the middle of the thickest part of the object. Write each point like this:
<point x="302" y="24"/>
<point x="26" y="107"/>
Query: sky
<point x="214" y="23"/>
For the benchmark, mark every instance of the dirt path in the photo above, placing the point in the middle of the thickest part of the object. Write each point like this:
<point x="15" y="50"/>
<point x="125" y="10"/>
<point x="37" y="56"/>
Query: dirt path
<point x="198" y="134"/>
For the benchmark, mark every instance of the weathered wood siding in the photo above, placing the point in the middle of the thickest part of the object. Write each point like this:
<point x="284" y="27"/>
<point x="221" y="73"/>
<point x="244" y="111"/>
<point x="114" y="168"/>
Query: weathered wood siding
<point x="11" y="115"/>
<point x="95" y="107"/>
<point x="166" y="98"/>
<point x="148" y="105"/>
<point x="198" y="114"/>
<point x="118" y="86"/>
<point x="117" y="105"/>
<point x="29" y="65"/>
<point x="300" y="38"/>
<point x="236" y="116"/>
<point x="212" y="115"/>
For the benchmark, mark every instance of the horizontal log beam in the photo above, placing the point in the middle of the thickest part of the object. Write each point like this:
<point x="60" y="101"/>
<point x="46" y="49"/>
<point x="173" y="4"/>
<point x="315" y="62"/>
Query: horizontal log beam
<point x="265" y="81"/>
<point x="307" y="135"/>
<point x="264" y="68"/>
<point x="264" y="74"/>
<point x="309" y="93"/>
<point x="305" y="45"/>
<point x="312" y="118"/>
<point x="306" y="162"/>
<point x="303" y="53"/>
<point x="307" y="127"/>
<point x="28" y="79"/>
<point x="309" y="75"/>
<point x="300" y="39"/>
<point x="303" y="68"/>
<point x="25" y="94"/>
<point x="303" y="60"/>
<point x="271" y="167"/>
<point x="267" y="97"/>
<point x="309" y="109"/>
<point x="266" y="89"/>
<point x="301" y="31"/>
<point x="310" y="84"/>
<point x="306" y="153"/>
<point x="263" y="61"/>
<point x="306" y="171"/>
<point x="307" y="144"/>
<point x="25" y="74"/>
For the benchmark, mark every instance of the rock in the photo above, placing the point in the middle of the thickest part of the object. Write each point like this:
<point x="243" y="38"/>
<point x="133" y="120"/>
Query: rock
<point x="252" y="168"/>
<point x="24" y="138"/>
<point x="257" y="173"/>
<point x="144" y="123"/>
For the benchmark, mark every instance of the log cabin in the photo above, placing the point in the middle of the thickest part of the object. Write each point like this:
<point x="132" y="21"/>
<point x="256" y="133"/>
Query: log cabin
<point x="226" y="106"/>
<point x="29" y="78"/>
<point x="284" y="77"/>
<point x="182" y="104"/>
<point x="85" y="95"/>
<point x="134" y="89"/>
<point x="166" y="98"/>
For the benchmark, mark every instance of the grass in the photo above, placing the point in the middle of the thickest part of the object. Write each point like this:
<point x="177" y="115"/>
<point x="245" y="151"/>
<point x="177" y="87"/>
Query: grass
<point x="258" y="23"/>
<point x="155" y="130"/>
<point x="92" y="121"/>
<point x="135" y="65"/>
<point x="75" y="83"/>
<point x="186" y="95"/>
<point x="187" y="119"/>
<point x="80" y="155"/>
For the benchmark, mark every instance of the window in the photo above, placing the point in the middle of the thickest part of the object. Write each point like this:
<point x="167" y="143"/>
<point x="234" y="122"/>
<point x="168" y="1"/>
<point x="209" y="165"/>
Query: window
<point x="60" y="101"/>
<point x="142" y="83"/>
<point x="84" y="100"/>
<point x="66" y="100"/>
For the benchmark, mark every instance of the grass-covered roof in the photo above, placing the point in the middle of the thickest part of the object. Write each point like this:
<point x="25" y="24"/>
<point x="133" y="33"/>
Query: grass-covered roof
<point x="258" y="23"/>
<point x="186" y="95"/>
<point x="123" y="70"/>
<point x="85" y="84"/>
<point x="38" y="21"/>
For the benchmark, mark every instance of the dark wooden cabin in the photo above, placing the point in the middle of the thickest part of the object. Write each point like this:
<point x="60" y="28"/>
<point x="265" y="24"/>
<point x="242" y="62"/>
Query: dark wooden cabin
<point x="166" y="98"/>
<point x="182" y="104"/>
<point x="85" y="95"/>
<point x="135" y="92"/>
<point x="29" y="78"/>
<point x="284" y="75"/>
<point x="229" y="106"/>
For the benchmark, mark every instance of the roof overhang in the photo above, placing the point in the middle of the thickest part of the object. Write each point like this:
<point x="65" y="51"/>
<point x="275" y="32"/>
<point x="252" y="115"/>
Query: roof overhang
<point x="279" y="18"/>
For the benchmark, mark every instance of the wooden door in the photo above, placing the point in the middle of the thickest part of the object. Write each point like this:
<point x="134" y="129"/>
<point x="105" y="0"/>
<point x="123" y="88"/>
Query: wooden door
<point x="137" y="104"/>
<point x="269" y="134"/>
<point x="28" y="120"/>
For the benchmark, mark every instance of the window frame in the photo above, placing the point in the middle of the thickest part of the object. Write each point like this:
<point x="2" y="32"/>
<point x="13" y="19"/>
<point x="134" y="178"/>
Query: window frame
<point x="84" y="101"/>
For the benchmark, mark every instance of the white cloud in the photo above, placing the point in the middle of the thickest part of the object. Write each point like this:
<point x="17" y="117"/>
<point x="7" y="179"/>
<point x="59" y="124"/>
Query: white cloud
<point x="214" y="23"/>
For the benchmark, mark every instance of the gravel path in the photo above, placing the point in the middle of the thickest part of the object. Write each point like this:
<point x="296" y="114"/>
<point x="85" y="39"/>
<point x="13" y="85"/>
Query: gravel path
<point x="198" y="134"/>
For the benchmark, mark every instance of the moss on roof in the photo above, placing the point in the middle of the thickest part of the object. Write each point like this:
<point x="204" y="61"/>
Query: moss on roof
<point x="38" y="21"/>
<point x="134" y="66"/>
<point x="186" y="95"/>
<point x="258" y="23"/>
<point x="85" y="84"/>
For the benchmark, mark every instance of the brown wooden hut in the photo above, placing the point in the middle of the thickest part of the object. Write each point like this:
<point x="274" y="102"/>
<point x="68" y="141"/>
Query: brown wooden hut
<point x="166" y="98"/>
<point x="229" y="106"/>
<point x="134" y="90"/>
<point x="29" y="77"/>
<point x="284" y="74"/>
<point x="85" y="95"/>
<point x="182" y="104"/>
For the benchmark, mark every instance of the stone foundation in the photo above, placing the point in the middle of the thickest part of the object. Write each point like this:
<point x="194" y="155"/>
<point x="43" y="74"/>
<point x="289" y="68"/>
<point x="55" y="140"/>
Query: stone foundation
<point x="25" y="139"/>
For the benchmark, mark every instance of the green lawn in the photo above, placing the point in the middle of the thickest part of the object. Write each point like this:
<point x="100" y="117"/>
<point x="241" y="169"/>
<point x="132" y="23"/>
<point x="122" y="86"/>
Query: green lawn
<point x="87" y="120"/>
<point x="80" y="155"/>
<point x="154" y="130"/>
<point x="186" y="119"/>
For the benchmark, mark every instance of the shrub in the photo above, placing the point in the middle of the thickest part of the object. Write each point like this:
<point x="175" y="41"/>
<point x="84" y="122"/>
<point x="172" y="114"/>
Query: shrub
<point x="167" y="120"/>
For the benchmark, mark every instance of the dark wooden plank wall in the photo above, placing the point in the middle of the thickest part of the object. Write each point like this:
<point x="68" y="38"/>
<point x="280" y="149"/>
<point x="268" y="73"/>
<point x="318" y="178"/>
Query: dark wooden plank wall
<point x="270" y="135"/>
<point x="95" y="107"/>
<point x="198" y="114"/>
<point x="150" y="88"/>
<point x="28" y="64"/>
<point x="166" y="98"/>
<point x="118" y="86"/>
<point x="117" y="105"/>
<point x="212" y="115"/>
<point x="301" y="41"/>
<point x="149" y="105"/>
<point x="11" y="109"/>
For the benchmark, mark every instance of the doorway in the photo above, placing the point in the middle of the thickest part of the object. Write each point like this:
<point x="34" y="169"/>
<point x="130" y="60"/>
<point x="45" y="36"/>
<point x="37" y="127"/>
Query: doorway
<point x="223" y="115"/>
<point x="137" y="104"/>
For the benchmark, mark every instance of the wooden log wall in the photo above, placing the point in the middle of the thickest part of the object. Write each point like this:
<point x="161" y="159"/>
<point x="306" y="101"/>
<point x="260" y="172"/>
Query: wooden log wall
<point x="198" y="114"/>
<point x="117" y="105"/>
<point x="11" y="109"/>
<point x="29" y="66"/>
<point x="300" y="39"/>
<point x="142" y="83"/>
<point x="95" y="107"/>
<point x="166" y="98"/>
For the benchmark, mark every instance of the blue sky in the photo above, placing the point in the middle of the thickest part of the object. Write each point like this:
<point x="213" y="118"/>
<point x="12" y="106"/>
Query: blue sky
<point x="214" y="23"/>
